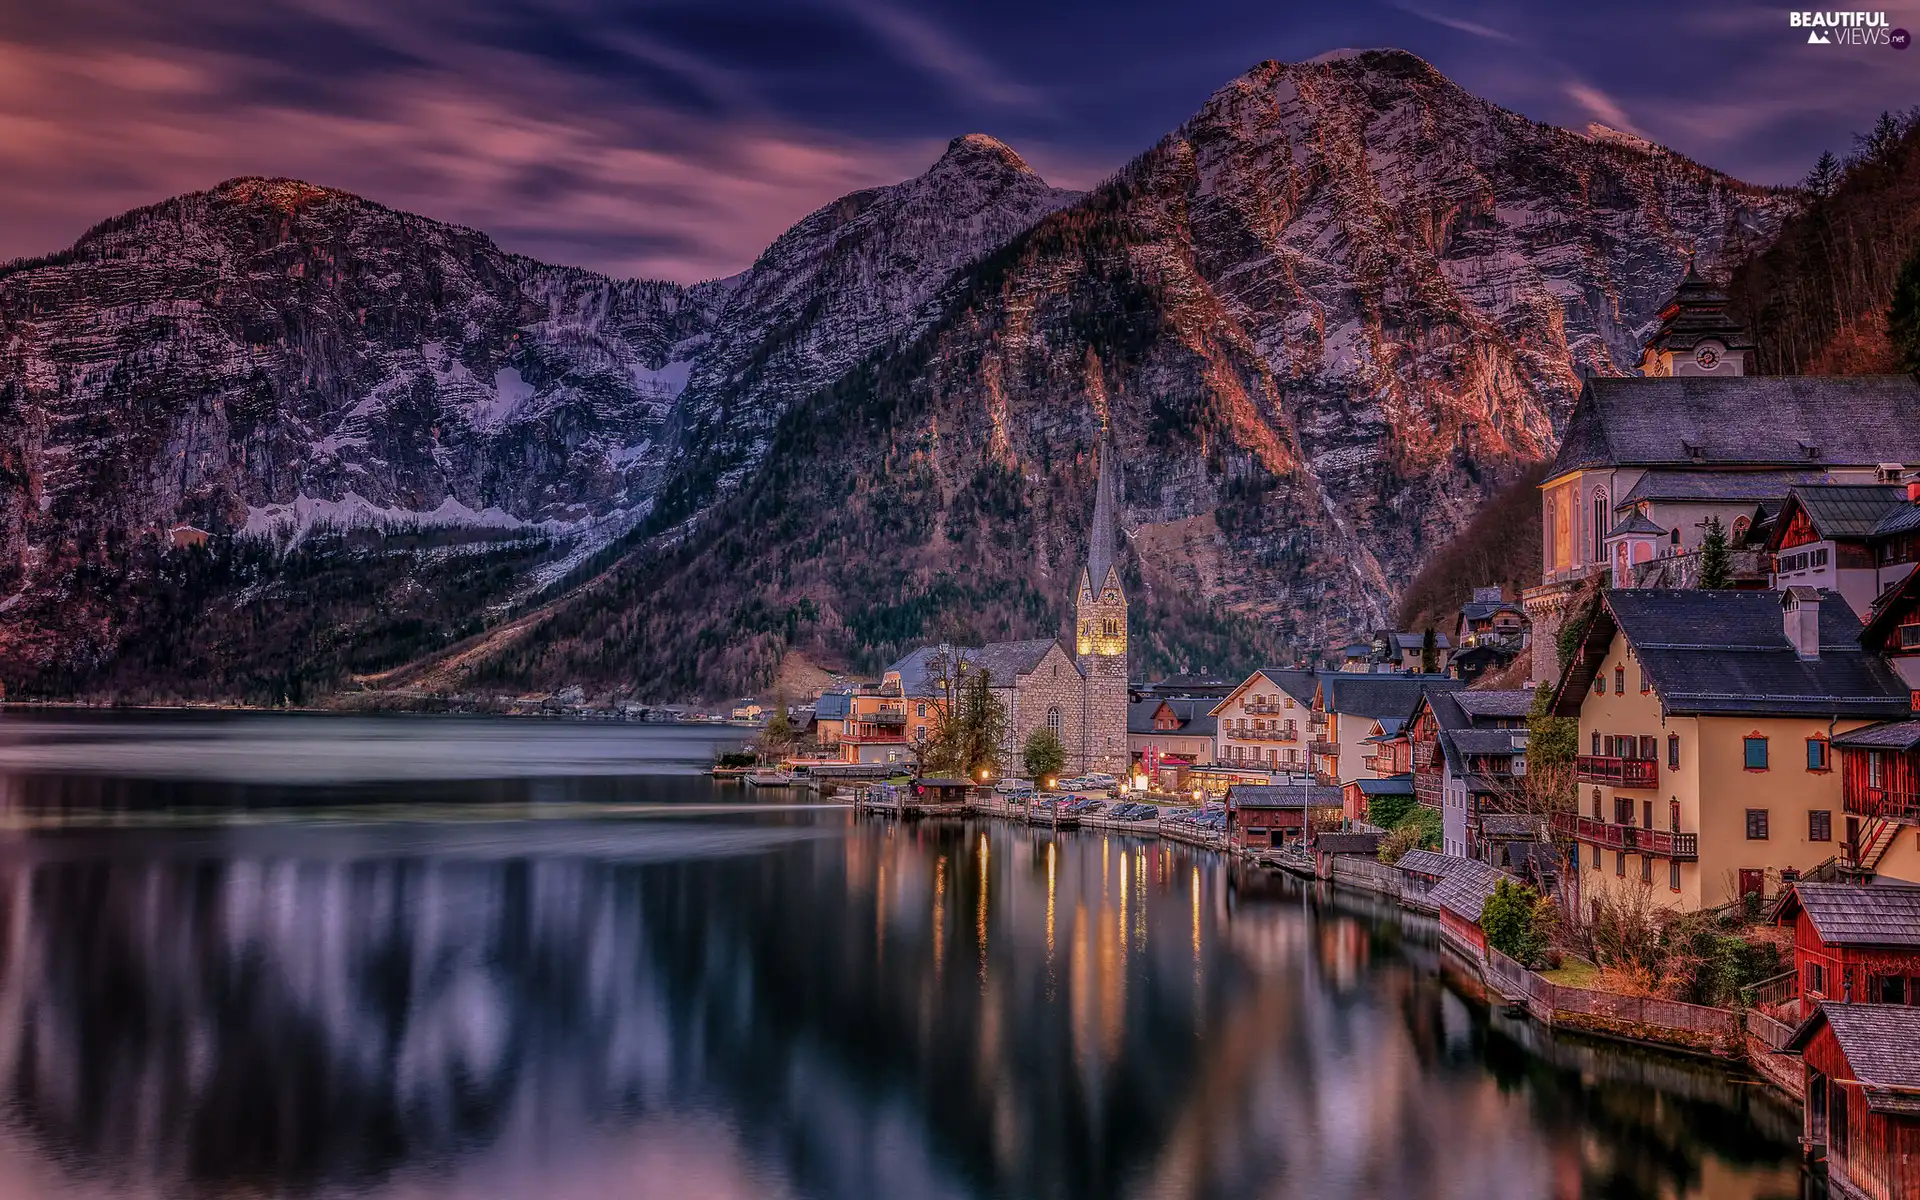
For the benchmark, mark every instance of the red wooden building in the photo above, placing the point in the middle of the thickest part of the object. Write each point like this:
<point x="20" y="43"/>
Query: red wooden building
<point x="1853" y="942"/>
<point x="1275" y="814"/>
<point x="1880" y="782"/>
<point x="1862" y="1064"/>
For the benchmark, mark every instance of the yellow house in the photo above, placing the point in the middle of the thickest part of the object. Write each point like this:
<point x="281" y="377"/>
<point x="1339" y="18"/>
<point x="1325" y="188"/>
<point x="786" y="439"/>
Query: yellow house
<point x="1706" y="769"/>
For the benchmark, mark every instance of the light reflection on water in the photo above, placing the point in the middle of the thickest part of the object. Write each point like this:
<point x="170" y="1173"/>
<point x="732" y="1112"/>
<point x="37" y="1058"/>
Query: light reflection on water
<point x="620" y="997"/>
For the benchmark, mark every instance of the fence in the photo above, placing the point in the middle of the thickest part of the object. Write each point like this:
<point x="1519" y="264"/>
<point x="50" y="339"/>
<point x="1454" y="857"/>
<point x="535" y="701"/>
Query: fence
<point x="1558" y="1004"/>
<point x="1368" y="873"/>
<point x="1775" y="1033"/>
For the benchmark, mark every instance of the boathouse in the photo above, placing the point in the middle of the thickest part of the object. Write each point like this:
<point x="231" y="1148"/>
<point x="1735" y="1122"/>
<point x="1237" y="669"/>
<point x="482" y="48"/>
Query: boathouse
<point x="1862" y="1064"/>
<point x="1853" y="942"/>
<point x="1262" y="815"/>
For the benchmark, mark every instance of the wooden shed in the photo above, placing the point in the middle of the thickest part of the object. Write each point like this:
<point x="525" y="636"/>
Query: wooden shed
<point x="1862" y="1064"/>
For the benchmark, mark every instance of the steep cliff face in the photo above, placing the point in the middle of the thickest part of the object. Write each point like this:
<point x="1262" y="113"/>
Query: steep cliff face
<point x="1324" y="317"/>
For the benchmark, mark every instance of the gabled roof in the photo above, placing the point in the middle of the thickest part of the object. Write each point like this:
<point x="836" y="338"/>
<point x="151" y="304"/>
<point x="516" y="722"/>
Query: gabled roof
<point x="1430" y="862"/>
<point x="1895" y="607"/>
<point x="1903" y="518"/>
<point x="1392" y="785"/>
<point x="1300" y="685"/>
<point x="1195" y="716"/>
<point x="1839" y="510"/>
<point x="1509" y="825"/>
<point x="1488" y="741"/>
<point x="1882" y="1045"/>
<point x="1379" y="695"/>
<point x="1466" y="889"/>
<point x="1887" y="735"/>
<point x="1283" y="795"/>
<point x="1481" y="610"/>
<point x="832" y="706"/>
<point x="1004" y="660"/>
<point x="1495" y="704"/>
<point x="1634" y="523"/>
<point x="1849" y="914"/>
<point x="1726" y="652"/>
<point x="1783" y="421"/>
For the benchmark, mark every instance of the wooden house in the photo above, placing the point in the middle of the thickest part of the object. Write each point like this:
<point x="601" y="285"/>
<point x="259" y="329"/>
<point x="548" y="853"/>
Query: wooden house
<point x="1862" y="1064"/>
<point x="1893" y="629"/>
<point x="1260" y="815"/>
<point x="1880" y="791"/>
<point x="1853" y="942"/>
<point x="1856" y="539"/>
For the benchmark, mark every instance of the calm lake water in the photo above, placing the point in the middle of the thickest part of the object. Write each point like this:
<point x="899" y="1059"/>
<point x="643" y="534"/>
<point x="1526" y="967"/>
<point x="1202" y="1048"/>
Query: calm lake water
<point x="422" y="959"/>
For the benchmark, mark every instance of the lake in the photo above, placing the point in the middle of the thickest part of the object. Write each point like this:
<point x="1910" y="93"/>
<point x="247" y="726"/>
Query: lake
<point x="429" y="958"/>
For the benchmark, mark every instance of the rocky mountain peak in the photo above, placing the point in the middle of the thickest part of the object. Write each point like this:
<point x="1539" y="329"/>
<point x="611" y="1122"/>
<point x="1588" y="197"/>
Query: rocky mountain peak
<point x="975" y="152"/>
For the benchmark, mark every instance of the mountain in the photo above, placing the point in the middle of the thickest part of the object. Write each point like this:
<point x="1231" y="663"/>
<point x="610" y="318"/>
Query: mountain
<point x="1325" y="318"/>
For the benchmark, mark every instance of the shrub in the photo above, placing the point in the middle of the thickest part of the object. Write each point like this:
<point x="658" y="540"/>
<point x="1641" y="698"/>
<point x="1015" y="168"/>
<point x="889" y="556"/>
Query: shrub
<point x="1518" y="922"/>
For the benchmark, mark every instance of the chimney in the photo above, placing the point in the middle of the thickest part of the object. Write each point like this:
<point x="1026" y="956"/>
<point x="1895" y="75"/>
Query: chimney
<point x="1913" y="490"/>
<point x="1801" y="607"/>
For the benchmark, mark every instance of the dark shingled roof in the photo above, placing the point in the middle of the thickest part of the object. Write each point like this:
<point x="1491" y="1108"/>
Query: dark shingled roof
<point x="1347" y="843"/>
<point x="1488" y="741"/>
<point x="1509" y="825"/>
<point x="1782" y="421"/>
<point x="1381" y="695"/>
<point x="1196" y="716"/>
<point x="1004" y="660"/>
<point x="1887" y="735"/>
<point x="1882" y="1045"/>
<point x="1904" y="518"/>
<point x="1283" y="795"/>
<point x="1634" y="522"/>
<point x="1495" y="704"/>
<point x="1429" y="862"/>
<point x="1698" y="311"/>
<point x="1752" y="487"/>
<point x="1848" y="914"/>
<point x="1850" y="510"/>
<point x="1466" y="889"/>
<point x="832" y="706"/>
<point x="1393" y="785"/>
<point x="1724" y="652"/>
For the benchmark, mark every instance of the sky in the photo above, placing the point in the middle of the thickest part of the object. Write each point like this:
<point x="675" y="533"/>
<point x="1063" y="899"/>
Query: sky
<point x="677" y="139"/>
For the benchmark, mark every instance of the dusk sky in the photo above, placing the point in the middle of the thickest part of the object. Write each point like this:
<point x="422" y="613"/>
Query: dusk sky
<point x="677" y="139"/>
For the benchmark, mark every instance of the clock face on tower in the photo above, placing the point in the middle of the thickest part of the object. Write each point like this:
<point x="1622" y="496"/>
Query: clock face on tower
<point x="1707" y="357"/>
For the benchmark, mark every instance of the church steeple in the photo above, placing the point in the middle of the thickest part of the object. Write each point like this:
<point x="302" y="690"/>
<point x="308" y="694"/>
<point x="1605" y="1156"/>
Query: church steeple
<point x="1698" y="334"/>
<point x="1104" y="538"/>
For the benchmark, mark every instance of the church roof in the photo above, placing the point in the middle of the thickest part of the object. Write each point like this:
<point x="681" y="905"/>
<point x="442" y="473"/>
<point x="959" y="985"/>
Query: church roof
<point x="1103" y="540"/>
<point x="1696" y="312"/>
<point x="1781" y="421"/>
<point x="1003" y="660"/>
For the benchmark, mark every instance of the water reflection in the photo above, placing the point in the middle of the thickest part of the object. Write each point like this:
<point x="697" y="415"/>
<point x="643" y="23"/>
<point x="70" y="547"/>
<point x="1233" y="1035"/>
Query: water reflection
<point x="793" y="1003"/>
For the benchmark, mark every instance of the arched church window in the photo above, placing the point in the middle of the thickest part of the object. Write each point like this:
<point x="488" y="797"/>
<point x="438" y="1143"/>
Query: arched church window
<point x="1600" y="525"/>
<point x="1053" y="720"/>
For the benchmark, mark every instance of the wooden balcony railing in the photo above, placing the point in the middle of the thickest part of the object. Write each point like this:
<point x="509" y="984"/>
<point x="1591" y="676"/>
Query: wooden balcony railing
<point x="890" y="716"/>
<point x="1426" y="754"/>
<point x="1662" y="843"/>
<point x="1620" y="772"/>
<point x="1890" y="803"/>
<point x="1327" y="749"/>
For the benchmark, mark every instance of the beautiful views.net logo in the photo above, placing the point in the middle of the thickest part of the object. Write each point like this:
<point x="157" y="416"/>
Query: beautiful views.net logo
<point x="1849" y="29"/>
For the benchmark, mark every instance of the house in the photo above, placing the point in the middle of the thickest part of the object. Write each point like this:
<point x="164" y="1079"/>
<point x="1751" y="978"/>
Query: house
<point x="1171" y="734"/>
<point x="1468" y="754"/>
<point x="1706" y="720"/>
<point x="1356" y="656"/>
<point x="1357" y="797"/>
<point x="1893" y="629"/>
<point x="1862" y="1081"/>
<point x="830" y="713"/>
<point x="1274" y="814"/>
<point x="1352" y="707"/>
<point x="1267" y="721"/>
<point x="1686" y="443"/>
<point x="1853" y="942"/>
<point x="1489" y="619"/>
<point x="1473" y="662"/>
<point x="1880" y="792"/>
<point x="1407" y="651"/>
<point x="1854" y="539"/>
<point x="1461" y="895"/>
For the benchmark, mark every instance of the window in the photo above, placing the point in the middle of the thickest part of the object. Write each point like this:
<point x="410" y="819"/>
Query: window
<point x="1673" y="815"/>
<point x="1818" y="755"/>
<point x="1873" y="769"/>
<point x="1816" y="979"/>
<point x="1599" y="685"/>
<point x="1820" y="825"/>
<point x="1600" y="526"/>
<point x="1288" y="703"/>
<point x="1620" y="863"/>
<point x="1890" y="989"/>
<point x="1757" y="824"/>
<point x="1910" y="636"/>
<point x="1622" y="810"/>
<point x="1646" y="868"/>
<point x="1756" y="749"/>
<point x="1646" y="685"/>
<point x="1673" y="752"/>
<point x="920" y="710"/>
<point x="1573" y="856"/>
<point x="1646" y="814"/>
<point x="1596" y="744"/>
<point x="1619" y="681"/>
<point x="1649" y="748"/>
<point x="1053" y="720"/>
<point x="1673" y="874"/>
<point x="1596" y="804"/>
<point x="1596" y="858"/>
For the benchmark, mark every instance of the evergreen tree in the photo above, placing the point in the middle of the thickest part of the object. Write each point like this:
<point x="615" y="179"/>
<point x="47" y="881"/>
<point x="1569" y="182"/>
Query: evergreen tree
<point x="1903" y="318"/>
<point x="1716" y="561"/>
<point x="1429" y="652"/>
<point x="1044" y="756"/>
<point x="1825" y="175"/>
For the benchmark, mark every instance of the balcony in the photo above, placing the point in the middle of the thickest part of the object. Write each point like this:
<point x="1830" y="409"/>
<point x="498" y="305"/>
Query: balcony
<point x="1620" y="772"/>
<point x="1325" y="749"/>
<point x="1661" y="843"/>
<point x="1892" y="804"/>
<point x="865" y="735"/>
<point x="1260" y="709"/>
<point x="893" y="717"/>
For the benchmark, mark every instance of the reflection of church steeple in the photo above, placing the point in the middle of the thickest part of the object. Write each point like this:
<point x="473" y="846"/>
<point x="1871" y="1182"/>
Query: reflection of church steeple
<point x="1698" y="334"/>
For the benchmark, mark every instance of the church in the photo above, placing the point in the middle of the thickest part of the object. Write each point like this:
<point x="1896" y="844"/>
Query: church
<point x="1080" y="694"/>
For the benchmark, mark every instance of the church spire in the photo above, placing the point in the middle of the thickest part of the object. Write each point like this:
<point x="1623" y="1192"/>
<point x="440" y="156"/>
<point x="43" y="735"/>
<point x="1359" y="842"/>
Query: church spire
<point x="1104" y="540"/>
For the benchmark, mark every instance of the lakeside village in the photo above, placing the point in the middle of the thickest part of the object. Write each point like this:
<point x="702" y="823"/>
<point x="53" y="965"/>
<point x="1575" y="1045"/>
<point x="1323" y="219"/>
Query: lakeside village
<point x="1671" y="794"/>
